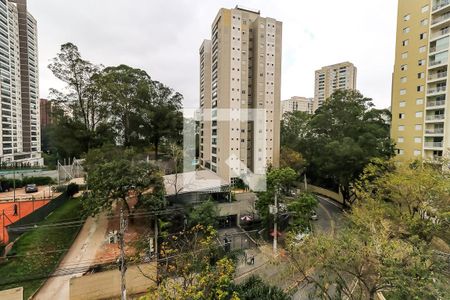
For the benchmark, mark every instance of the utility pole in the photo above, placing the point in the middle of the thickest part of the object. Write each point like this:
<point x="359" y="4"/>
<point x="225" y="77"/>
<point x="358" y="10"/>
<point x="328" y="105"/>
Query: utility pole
<point x="156" y="238"/>
<point x="123" y="266"/>
<point x="306" y="183"/>
<point x="14" y="182"/>
<point x="275" y="225"/>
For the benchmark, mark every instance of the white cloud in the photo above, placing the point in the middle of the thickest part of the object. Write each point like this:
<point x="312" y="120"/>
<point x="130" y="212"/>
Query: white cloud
<point x="163" y="37"/>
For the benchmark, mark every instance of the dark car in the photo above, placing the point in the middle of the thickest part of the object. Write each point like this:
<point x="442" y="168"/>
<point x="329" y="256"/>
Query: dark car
<point x="31" y="188"/>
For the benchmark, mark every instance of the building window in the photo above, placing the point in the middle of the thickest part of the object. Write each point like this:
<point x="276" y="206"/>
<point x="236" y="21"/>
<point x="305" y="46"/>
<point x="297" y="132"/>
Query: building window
<point x="421" y="75"/>
<point x="406" y="17"/>
<point x="419" y="114"/>
<point x="418" y="127"/>
<point x="403" y="80"/>
<point x="421" y="62"/>
<point x="425" y="9"/>
<point x="404" y="67"/>
<point x="419" y="101"/>
<point x="422" y="49"/>
<point x="406" y="30"/>
<point x="405" y="42"/>
<point x="424" y="22"/>
<point x="400" y="140"/>
<point x="417" y="140"/>
<point x="401" y="128"/>
<point x="402" y="103"/>
<point x="402" y="92"/>
<point x="401" y="116"/>
<point x="422" y="36"/>
<point x="404" y="55"/>
<point x="417" y="153"/>
<point x="420" y="88"/>
<point x="400" y="151"/>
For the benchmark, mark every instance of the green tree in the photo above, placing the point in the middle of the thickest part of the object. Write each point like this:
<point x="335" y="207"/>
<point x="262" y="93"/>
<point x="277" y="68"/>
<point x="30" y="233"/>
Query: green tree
<point x="205" y="214"/>
<point x="277" y="181"/>
<point x="162" y="119"/>
<point x="293" y="159"/>
<point x="113" y="175"/>
<point x="344" y="135"/>
<point x="255" y="288"/>
<point x="125" y="90"/>
<point x="420" y="192"/>
<point x="81" y="98"/>
<point x="192" y="267"/>
<point x="369" y="256"/>
<point x="294" y="128"/>
<point x="300" y="210"/>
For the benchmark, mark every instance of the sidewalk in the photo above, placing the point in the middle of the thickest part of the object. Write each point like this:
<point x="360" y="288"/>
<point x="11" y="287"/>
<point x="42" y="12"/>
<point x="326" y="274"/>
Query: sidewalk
<point x="81" y="254"/>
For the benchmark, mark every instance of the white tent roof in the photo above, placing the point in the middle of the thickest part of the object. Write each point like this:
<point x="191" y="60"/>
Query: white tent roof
<point x="196" y="181"/>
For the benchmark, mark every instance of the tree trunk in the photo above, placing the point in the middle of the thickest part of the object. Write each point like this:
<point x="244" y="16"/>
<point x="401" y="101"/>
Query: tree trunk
<point x="345" y="190"/>
<point x="156" y="144"/>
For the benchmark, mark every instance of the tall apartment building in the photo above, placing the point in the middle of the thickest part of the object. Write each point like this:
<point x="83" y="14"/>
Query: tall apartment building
<point x="420" y="110"/>
<point x="331" y="78"/>
<point x="296" y="103"/>
<point x="45" y="112"/>
<point x="240" y="77"/>
<point x="20" y="128"/>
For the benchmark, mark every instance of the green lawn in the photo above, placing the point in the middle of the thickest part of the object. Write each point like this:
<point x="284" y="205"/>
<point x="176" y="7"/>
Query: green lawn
<point x="29" y="271"/>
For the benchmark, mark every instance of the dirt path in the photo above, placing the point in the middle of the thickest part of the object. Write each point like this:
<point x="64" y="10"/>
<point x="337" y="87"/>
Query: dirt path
<point x="80" y="255"/>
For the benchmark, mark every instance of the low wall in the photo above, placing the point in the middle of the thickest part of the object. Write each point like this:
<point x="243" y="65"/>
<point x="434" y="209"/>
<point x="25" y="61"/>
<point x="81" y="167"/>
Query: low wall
<point x="12" y="294"/>
<point x="106" y="285"/>
<point x="327" y="193"/>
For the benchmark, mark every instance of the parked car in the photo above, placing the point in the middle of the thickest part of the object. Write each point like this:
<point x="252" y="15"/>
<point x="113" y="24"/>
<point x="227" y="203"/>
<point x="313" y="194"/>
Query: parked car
<point x="31" y="188"/>
<point x="4" y="186"/>
<point x="313" y="216"/>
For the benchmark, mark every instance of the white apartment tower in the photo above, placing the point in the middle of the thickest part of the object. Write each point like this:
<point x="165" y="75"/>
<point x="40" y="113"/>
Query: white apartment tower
<point x="240" y="73"/>
<point x="19" y="84"/>
<point x="328" y="79"/>
<point x="307" y="105"/>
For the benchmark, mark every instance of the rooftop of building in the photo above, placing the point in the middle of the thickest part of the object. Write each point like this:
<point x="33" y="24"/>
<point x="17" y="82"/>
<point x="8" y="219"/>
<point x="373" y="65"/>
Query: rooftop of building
<point x="195" y="181"/>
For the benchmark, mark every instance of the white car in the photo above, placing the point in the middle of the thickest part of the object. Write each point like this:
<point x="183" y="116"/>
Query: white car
<point x="314" y="216"/>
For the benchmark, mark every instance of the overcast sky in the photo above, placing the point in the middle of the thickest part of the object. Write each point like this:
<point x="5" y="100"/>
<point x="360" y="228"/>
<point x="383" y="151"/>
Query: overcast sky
<point x="163" y="38"/>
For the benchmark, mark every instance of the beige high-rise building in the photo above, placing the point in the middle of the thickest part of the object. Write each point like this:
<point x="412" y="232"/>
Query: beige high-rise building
<point x="420" y="111"/>
<point x="19" y="84"/>
<point x="298" y="104"/>
<point x="331" y="78"/>
<point x="240" y="77"/>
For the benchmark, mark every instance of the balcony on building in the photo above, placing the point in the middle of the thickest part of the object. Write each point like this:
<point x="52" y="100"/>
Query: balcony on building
<point x="437" y="115"/>
<point x="439" y="45"/>
<point x="434" y="129"/>
<point x="434" y="142"/>
<point x="439" y="31"/>
<point x="435" y="102"/>
<point x="439" y="74"/>
<point x="440" y="6"/>
<point x="438" y="60"/>
<point x="440" y="22"/>
<point x="437" y="89"/>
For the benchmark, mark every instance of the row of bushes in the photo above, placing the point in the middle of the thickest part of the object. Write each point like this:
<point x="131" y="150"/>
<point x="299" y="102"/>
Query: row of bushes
<point x="7" y="183"/>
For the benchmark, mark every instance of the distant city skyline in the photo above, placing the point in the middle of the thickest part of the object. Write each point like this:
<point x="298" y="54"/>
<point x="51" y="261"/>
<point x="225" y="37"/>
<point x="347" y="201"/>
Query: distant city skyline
<point x="142" y="35"/>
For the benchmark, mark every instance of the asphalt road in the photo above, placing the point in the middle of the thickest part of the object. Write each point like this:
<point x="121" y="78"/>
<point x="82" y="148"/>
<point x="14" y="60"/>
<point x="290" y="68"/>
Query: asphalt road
<point x="330" y="221"/>
<point x="330" y="216"/>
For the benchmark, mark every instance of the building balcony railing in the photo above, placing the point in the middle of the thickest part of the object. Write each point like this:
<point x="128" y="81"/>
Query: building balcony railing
<point x="440" y="33"/>
<point x="435" y="49"/>
<point x="437" y="62"/>
<point x="434" y="144"/>
<point x="435" y="117"/>
<point x="434" y="131"/>
<point x="437" y="89"/>
<point x="440" y="19"/>
<point x="440" y="4"/>
<point x="437" y="75"/>
<point x="435" y="103"/>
